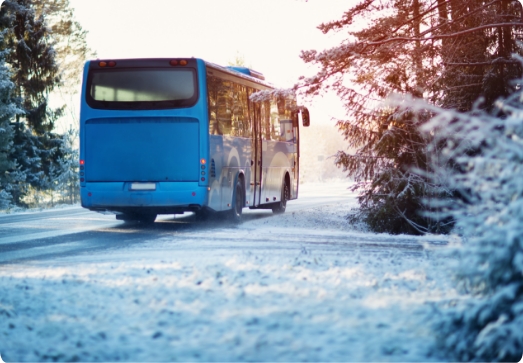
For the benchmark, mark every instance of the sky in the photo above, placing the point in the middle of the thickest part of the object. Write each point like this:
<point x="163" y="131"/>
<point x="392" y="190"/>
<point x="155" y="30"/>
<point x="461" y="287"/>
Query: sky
<point x="268" y="34"/>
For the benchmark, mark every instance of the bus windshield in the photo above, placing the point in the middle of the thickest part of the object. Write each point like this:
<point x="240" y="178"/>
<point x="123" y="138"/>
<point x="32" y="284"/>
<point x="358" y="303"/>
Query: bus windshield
<point x="141" y="88"/>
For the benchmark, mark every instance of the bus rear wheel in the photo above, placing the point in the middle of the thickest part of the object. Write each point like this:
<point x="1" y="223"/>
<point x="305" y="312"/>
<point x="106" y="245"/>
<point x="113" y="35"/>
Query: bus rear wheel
<point x="285" y="196"/>
<point x="235" y="214"/>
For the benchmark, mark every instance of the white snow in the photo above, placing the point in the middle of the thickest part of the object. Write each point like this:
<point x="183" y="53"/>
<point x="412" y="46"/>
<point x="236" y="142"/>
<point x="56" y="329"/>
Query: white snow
<point x="303" y="286"/>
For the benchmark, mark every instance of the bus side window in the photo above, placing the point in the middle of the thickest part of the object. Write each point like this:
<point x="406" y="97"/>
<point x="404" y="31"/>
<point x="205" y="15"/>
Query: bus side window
<point x="212" y="97"/>
<point x="253" y="109"/>
<point x="276" y="133"/>
<point x="266" y="120"/>
<point x="247" y="117"/>
<point x="224" y="108"/>
<point x="240" y="112"/>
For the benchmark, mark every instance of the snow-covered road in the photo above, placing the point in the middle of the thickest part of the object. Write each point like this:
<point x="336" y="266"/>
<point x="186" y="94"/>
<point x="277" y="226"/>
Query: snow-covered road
<point x="303" y="286"/>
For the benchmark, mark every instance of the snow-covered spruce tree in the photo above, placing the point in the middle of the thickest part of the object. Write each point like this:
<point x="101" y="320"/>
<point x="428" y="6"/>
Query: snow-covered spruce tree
<point x="35" y="71"/>
<point x="363" y="71"/>
<point x="8" y="110"/>
<point x="400" y="49"/>
<point x="482" y="158"/>
<point x="478" y="62"/>
<point x="31" y="60"/>
<point x="71" y="52"/>
<point x="6" y="132"/>
<point x="65" y="178"/>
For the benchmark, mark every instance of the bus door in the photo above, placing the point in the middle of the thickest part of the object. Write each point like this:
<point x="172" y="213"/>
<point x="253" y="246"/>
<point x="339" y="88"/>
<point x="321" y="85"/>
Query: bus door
<point x="290" y="134"/>
<point x="296" y="157"/>
<point x="256" y="161"/>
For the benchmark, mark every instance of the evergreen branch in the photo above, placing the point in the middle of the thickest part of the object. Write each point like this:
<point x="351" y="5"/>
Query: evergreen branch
<point x="459" y="19"/>
<point x="465" y="86"/>
<point x="442" y="36"/>
<point x="495" y="61"/>
<point x="417" y="227"/>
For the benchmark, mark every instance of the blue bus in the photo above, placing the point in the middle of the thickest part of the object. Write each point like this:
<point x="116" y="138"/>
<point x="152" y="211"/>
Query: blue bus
<point x="168" y="136"/>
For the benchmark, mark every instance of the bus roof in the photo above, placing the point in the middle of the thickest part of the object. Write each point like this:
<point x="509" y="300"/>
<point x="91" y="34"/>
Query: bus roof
<point x="242" y="72"/>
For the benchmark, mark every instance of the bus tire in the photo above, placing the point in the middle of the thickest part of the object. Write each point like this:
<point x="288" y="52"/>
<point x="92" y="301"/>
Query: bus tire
<point x="235" y="214"/>
<point x="280" y="207"/>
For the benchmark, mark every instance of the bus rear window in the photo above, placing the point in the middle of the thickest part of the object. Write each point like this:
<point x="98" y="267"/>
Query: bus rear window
<point x="142" y="88"/>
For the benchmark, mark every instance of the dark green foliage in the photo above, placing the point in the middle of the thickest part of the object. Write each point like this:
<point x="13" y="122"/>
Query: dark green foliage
<point x="65" y="177"/>
<point x="8" y="110"/>
<point x="44" y="48"/>
<point x="32" y="58"/>
<point x="29" y="56"/>
<point x="479" y="63"/>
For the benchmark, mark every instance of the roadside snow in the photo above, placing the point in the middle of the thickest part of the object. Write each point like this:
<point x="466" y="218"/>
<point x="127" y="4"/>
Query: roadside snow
<point x="19" y="210"/>
<point x="303" y="286"/>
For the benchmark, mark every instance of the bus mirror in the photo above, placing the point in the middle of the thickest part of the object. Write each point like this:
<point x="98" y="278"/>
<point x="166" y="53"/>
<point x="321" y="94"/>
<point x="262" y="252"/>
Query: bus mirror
<point x="305" y="117"/>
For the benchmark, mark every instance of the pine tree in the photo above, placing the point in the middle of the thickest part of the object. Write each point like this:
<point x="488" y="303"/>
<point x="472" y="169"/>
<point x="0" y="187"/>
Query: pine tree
<point x="71" y="51"/>
<point x="387" y="142"/>
<point x="65" y="176"/>
<point x="31" y="60"/>
<point x="8" y="111"/>
<point x="478" y="63"/>
<point x="400" y="49"/>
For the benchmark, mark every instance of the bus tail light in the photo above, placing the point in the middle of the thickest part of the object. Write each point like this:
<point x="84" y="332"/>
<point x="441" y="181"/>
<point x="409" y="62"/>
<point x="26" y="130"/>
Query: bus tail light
<point x="106" y="64"/>
<point x="203" y="172"/>
<point x="176" y="62"/>
<point x="82" y="172"/>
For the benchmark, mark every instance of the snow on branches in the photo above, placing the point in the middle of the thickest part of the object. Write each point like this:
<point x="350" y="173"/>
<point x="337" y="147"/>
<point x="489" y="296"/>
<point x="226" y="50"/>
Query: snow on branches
<point x="479" y="156"/>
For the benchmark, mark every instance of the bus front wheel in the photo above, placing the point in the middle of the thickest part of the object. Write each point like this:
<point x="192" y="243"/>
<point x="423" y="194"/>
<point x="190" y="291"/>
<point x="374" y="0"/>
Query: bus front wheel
<point x="285" y="196"/>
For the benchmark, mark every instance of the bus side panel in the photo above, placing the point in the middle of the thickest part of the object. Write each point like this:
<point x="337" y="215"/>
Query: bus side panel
<point x="231" y="155"/>
<point x="215" y="168"/>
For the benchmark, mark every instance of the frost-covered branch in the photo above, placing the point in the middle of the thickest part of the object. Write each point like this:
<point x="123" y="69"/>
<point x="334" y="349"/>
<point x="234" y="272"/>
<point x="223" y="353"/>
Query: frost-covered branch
<point x="479" y="154"/>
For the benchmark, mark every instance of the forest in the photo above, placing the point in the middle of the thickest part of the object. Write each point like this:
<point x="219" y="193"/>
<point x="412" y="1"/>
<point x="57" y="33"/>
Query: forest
<point x="42" y="51"/>
<point x="433" y="138"/>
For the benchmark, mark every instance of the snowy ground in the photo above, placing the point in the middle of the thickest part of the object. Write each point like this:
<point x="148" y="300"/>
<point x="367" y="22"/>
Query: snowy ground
<point x="303" y="286"/>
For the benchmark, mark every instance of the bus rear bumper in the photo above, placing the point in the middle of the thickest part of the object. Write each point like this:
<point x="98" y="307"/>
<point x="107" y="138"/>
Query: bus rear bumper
<point x="167" y="198"/>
